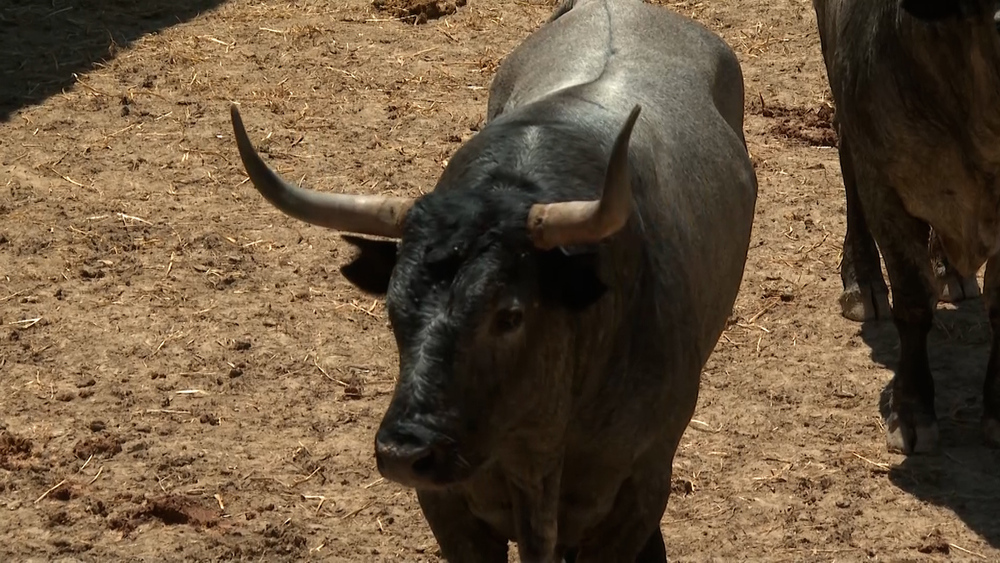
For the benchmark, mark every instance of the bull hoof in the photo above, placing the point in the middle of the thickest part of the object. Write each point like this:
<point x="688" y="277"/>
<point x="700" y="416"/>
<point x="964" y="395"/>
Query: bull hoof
<point x="991" y="431"/>
<point x="955" y="288"/>
<point x="863" y="303"/>
<point x="909" y="439"/>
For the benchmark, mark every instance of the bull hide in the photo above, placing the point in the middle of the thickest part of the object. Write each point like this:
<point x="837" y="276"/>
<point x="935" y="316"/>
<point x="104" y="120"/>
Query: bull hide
<point x="557" y="294"/>
<point x="916" y="86"/>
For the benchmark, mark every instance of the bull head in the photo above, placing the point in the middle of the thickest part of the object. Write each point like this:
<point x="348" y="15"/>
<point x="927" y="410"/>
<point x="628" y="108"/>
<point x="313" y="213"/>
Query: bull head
<point x="476" y="295"/>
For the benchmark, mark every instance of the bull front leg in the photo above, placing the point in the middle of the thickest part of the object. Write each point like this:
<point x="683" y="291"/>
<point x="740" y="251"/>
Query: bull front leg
<point x="991" y="386"/>
<point x="911" y="426"/>
<point x="535" y="502"/>
<point x="462" y="536"/>
<point x="631" y="532"/>
<point x="865" y="296"/>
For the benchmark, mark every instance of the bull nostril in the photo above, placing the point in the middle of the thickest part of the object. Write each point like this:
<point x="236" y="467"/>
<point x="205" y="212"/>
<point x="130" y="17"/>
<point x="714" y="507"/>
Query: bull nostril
<point x="425" y="464"/>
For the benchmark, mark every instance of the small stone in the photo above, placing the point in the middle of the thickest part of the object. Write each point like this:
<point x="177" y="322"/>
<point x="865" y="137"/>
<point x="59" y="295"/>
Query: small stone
<point x="97" y="426"/>
<point x="91" y="273"/>
<point x="210" y="419"/>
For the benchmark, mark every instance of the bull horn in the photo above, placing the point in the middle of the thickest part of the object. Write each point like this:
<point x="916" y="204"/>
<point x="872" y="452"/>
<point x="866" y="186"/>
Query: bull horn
<point x="569" y="223"/>
<point x="362" y="214"/>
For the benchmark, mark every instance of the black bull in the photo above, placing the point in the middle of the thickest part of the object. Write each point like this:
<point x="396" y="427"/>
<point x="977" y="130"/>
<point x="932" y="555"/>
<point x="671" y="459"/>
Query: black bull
<point x="916" y="84"/>
<point x="557" y="294"/>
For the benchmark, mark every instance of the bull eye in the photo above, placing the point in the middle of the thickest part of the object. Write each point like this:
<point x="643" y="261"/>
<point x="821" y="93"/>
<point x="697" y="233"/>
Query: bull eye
<point x="508" y="319"/>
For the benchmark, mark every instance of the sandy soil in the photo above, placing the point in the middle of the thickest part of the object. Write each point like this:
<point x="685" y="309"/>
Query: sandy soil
<point x="184" y="374"/>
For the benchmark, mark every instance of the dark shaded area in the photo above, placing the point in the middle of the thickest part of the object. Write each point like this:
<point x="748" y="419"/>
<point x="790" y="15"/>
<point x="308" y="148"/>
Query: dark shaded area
<point x="418" y="11"/>
<point x="963" y="477"/>
<point x="812" y="126"/>
<point x="12" y="448"/>
<point x="43" y="43"/>
<point x="173" y="510"/>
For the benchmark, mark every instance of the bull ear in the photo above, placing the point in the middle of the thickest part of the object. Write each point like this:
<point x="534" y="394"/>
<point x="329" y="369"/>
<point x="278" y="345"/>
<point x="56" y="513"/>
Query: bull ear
<point x="570" y="280"/>
<point x="937" y="10"/>
<point x="371" y="269"/>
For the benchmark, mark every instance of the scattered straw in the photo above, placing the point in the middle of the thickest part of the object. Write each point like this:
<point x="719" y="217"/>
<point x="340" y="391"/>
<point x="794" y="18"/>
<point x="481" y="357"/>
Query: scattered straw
<point x="53" y="488"/>
<point x="87" y="86"/>
<point x="327" y="375"/>
<point x="368" y="311"/>
<point x="320" y="498"/>
<point x="310" y="476"/>
<point x="214" y="40"/>
<point x="357" y="511"/>
<point x="11" y="296"/>
<point x="753" y="319"/>
<point x="703" y="426"/>
<point x="125" y="218"/>
<point x="884" y="466"/>
<point x="99" y="471"/>
<point x="28" y="323"/>
<point x="722" y="510"/>
<point x="963" y="550"/>
<point x="68" y="179"/>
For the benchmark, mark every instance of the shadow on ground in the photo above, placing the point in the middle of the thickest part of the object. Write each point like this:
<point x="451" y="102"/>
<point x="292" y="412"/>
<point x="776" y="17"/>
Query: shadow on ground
<point x="964" y="476"/>
<point x="43" y="43"/>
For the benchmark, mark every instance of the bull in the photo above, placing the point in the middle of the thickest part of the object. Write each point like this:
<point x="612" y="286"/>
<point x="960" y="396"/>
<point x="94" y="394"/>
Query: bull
<point x="555" y="297"/>
<point x="916" y="87"/>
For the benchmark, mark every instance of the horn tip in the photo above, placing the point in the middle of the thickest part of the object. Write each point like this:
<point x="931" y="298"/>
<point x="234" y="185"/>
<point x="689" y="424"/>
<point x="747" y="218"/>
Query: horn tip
<point x="234" y="111"/>
<point x="238" y="128"/>
<point x="636" y="109"/>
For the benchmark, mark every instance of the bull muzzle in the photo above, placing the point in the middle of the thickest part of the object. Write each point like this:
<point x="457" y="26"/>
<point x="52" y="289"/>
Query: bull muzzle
<point x="417" y="457"/>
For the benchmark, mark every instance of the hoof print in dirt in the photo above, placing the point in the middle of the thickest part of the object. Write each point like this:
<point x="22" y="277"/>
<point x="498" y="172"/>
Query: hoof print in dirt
<point x="104" y="445"/>
<point x="12" y="449"/>
<point x="814" y="127"/>
<point x="172" y="510"/>
<point x="934" y="542"/>
<point x="418" y="11"/>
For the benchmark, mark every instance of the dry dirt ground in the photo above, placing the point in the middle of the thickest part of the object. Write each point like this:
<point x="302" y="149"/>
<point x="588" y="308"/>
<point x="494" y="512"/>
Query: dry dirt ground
<point x="186" y="376"/>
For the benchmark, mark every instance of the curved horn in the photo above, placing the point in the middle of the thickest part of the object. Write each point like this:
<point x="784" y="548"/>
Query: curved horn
<point x="568" y="223"/>
<point x="362" y="214"/>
